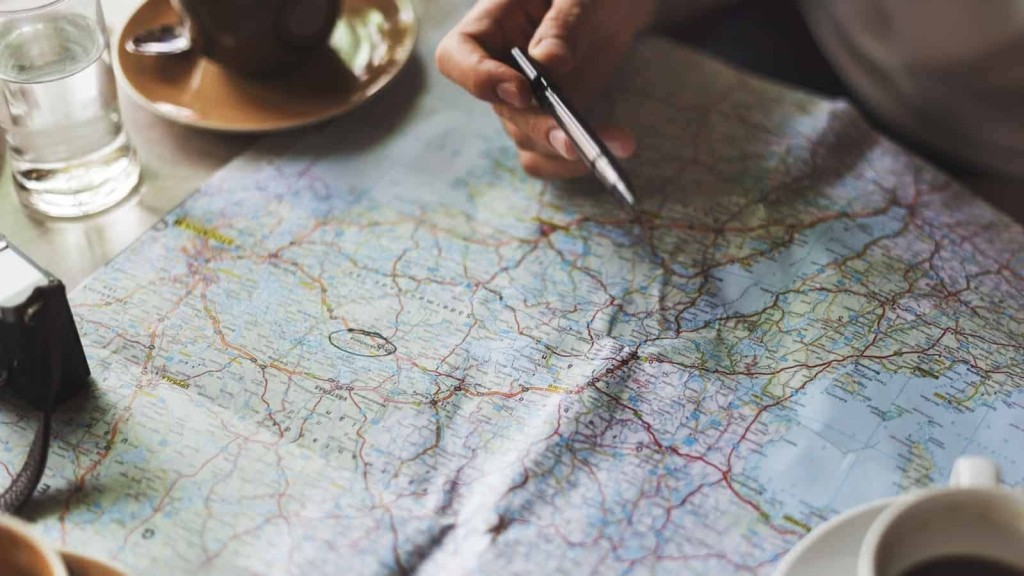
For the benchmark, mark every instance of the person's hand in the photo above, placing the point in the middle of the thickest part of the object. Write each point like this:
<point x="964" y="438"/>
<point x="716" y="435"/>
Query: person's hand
<point x="579" y="42"/>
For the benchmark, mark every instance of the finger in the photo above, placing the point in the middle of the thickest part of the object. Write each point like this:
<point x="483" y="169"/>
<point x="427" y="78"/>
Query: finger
<point x="536" y="131"/>
<point x="561" y="37"/>
<point x="464" y="61"/>
<point x="557" y="146"/>
<point x="521" y="139"/>
<point x="621" y="142"/>
<point x="548" y="168"/>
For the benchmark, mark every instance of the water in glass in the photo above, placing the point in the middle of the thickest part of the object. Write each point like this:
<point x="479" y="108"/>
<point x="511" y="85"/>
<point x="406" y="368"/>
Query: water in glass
<point x="68" y="149"/>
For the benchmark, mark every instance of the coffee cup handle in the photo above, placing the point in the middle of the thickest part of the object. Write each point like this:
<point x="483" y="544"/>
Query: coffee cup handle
<point x="974" y="472"/>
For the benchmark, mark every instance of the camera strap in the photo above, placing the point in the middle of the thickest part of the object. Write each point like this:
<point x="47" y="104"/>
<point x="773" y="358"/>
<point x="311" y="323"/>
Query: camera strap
<point x="27" y="479"/>
<point x="46" y="316"/>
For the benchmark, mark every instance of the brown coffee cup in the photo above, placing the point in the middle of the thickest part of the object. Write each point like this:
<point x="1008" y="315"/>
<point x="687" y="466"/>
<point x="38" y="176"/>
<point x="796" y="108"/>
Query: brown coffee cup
<point x="24" y="553"/>
<point x="259" y="37"/>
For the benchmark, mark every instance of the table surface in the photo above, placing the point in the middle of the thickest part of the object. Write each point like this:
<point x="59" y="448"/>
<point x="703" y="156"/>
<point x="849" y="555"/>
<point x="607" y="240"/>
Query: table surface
<point x="175" y="160"/>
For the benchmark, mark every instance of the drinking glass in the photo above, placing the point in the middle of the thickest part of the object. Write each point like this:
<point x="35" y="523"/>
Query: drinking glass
<point x="66" y="143"/>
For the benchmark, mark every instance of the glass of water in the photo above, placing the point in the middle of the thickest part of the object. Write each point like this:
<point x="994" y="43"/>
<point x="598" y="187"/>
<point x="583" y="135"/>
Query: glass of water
<point x="66" y="143"/>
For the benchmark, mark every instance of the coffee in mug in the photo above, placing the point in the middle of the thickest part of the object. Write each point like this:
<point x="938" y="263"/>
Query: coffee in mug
<point x="259" y="37"/>
<point x="963" y="565"/>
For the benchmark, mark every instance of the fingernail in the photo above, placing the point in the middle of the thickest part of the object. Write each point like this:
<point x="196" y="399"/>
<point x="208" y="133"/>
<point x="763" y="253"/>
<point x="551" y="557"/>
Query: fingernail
<point x="509" y="93"/>
<point x="619" y="149"/>
<point x="561" y="143"/>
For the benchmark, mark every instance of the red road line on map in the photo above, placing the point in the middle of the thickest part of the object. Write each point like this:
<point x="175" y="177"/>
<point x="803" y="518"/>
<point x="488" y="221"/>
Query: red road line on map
<point x="302" y="427"/>
<point x="270" y="409"/>
<point x="91" y="468"/>
<point x="209" y="495"/>
<point x="718" y="231"/>
<point x="174" y="484"/>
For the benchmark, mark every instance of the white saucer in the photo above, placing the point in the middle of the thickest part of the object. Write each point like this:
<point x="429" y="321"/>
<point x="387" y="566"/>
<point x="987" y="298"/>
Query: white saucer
<point x="832" y="548"/>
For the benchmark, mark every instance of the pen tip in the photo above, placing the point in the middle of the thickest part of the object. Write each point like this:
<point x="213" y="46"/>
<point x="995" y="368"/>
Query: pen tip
<point x="627" y="195"/>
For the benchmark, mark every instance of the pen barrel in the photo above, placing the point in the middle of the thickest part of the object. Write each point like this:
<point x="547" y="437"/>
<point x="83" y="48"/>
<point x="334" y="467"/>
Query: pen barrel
<point x="589" y="148"/>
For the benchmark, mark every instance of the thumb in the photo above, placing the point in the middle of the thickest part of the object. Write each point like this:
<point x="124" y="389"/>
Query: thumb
<point x="559" y="40"/>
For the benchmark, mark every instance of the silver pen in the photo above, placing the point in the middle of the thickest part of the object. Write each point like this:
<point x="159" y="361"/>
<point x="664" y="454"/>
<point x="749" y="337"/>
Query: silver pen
<point x="593" y="152"/>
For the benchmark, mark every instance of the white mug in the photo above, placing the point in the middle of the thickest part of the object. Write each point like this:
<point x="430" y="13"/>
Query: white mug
<point x="974" y="517"/>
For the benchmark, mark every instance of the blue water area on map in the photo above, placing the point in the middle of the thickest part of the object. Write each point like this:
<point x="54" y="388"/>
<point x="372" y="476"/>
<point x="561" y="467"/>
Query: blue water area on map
<point x="856" y="447"/>
<point x="746" y="290"/>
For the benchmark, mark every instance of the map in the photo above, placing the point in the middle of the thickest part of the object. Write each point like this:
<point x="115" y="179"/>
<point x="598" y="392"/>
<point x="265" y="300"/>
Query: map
<point x="393" y="352"/>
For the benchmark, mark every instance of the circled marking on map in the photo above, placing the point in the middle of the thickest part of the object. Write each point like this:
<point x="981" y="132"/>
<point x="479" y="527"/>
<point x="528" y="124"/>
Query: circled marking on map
<point x="362" y="343"/>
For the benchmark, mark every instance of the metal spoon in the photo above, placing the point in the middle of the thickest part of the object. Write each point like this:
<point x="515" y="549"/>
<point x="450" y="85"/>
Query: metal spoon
<point x="161" y="41"/>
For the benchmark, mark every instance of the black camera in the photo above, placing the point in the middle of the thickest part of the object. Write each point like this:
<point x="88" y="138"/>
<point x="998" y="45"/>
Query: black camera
<point x="41" y="358"/>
